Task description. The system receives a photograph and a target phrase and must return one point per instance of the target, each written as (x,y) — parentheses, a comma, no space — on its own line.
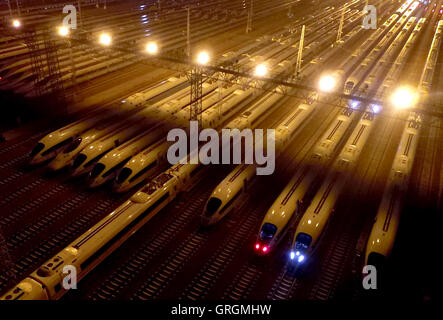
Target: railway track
(226,252)
(186,210)
(140,276)
(35,243)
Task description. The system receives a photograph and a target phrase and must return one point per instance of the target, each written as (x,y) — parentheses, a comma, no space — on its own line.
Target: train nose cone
(77,172)
(93,183)
(55,165)
(117,188)
(33,161)
(205,221)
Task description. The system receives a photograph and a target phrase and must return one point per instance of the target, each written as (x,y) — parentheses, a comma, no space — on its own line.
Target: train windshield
(268,231)
(123,175)
(212,206)
(98,168)
(73,145)
(302,241)
(39,147)
(79,160)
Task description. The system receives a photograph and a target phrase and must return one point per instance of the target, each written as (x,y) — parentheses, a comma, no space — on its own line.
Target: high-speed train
(282,214)
(225,196)
(87,158)
(384,230)
(67,155)
(46,283)
(314,222)
(145,164)
(52,144)
(107,167)
(142,165)
(48,147)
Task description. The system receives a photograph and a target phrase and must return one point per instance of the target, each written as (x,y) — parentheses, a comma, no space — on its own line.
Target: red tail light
(257,246)
(265,249)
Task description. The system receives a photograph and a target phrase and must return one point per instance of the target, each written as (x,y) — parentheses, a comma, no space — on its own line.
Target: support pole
(18,8)
(249,22)
(10,10)
(188,33)
(79,3)
(196,78)
(300,50)
(342,20)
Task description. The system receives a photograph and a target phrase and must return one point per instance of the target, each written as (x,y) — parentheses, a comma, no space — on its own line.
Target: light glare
(16,23)
(261,70)
(403,98)
(151,48)
(203,57)
(327,83)
(105,39)
(63,31)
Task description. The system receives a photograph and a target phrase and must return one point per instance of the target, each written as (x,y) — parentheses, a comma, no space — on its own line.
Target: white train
(145,163)
(282,213)
(86,159)
(107,167)
(46,283)
(67,155)
(52,144)
(314,221)
(224,197)
(384,230)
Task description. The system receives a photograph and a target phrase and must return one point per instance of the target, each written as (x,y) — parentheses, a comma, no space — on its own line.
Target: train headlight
(354,104)
(292,255)
(375,108)
(301,258)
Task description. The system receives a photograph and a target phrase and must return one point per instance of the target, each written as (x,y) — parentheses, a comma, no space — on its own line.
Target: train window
(302,241)
(268,231)
(73,145)
(57,146)
(98,168)
(79,160)
(123,175)
(39,147)
(143,171)
(212,206)
(376,259)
